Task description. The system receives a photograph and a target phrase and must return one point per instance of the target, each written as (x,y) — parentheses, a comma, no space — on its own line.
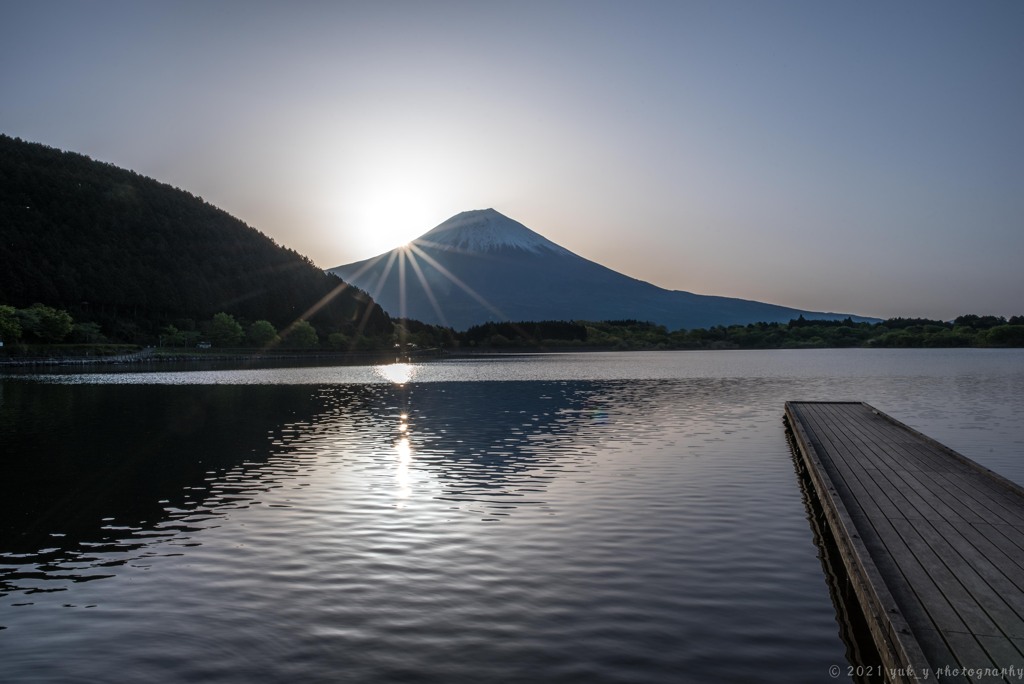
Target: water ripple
(602,529)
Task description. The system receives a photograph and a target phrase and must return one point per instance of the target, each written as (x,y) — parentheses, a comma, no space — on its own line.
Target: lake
(620,517)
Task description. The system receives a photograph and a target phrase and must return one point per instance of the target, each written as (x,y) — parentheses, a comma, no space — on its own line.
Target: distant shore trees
(301,335)
(261,333)
(964,331)
(41,325)
(38,324)
(225,331)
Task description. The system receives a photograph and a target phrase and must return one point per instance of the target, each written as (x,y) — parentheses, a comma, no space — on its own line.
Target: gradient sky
(863,157)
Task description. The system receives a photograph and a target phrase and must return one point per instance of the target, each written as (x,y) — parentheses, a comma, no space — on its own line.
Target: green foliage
(10,327)
(261,334)
(87,333)
(979,322)
(170,336)
(41,323)
(801,333)
(225,331)
(903,323)
(339,341)
(1006,335)
(301,334)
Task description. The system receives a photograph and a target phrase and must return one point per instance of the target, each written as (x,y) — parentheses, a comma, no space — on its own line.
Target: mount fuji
(481,266)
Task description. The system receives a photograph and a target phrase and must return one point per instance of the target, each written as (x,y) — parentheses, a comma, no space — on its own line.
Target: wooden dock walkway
(932,542)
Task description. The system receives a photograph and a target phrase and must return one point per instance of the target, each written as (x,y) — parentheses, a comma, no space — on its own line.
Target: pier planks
(932,542)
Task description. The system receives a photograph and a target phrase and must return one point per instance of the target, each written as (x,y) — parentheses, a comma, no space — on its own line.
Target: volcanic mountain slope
(481,266)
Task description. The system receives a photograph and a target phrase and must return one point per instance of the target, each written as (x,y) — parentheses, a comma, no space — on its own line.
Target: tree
(339,341)
(301,334)
(170,336)
(261,334)
(1006,336)
(90,333)
(225,331)
(10,328)
(45,324)
(979,322)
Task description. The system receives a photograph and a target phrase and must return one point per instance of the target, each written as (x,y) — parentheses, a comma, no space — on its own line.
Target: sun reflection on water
(398,373)
(403,463)
(403,478)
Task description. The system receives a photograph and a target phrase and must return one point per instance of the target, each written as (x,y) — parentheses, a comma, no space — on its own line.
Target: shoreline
(149,357)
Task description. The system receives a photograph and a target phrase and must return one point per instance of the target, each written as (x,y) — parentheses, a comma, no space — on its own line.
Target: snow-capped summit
(485,230)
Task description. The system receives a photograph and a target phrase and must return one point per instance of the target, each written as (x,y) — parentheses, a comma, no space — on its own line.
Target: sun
(393,213)
(392,219)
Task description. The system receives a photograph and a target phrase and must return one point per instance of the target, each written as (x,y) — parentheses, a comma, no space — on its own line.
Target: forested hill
(116,248)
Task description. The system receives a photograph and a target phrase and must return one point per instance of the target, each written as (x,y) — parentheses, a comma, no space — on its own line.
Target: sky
(858,157)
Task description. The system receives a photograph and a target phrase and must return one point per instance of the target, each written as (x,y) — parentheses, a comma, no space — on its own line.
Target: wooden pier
(932,543)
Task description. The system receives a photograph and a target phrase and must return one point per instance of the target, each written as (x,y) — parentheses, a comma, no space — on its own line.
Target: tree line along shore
(43,331)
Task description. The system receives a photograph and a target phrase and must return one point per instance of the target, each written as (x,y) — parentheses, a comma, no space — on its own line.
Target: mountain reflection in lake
(591,518)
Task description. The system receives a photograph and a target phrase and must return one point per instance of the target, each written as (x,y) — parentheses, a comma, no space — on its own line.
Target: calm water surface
(572,518)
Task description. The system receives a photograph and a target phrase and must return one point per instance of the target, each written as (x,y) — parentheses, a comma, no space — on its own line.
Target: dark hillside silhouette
(111,246)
